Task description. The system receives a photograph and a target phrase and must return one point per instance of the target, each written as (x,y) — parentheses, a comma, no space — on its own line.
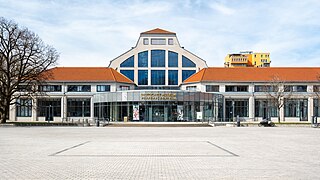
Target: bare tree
(23,60)
(277,92)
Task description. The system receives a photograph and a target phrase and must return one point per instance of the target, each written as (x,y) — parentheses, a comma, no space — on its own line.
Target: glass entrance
(158,113)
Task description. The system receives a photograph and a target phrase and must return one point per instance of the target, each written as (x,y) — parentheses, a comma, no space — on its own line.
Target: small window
(191,88)
(212,88)
(236,88)
(124,88)
(24,88)
(103,88)
(145,41)
(50,88)
(79,88)
(316,88)
(158,41)
(170,41)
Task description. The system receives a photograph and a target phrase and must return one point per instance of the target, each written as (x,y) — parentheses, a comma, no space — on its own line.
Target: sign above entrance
(158,96)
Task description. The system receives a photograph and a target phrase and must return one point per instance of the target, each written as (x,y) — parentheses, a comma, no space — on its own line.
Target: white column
(64,108)
(310,109)
(91,109)
(281,113)
(12,113)
(34,110)
(251,108)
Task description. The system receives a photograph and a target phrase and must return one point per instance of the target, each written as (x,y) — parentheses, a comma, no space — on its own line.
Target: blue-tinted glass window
(143,59)
(158,77)
(103,88)
(187,73)
(143,77)
(158,58)
(172,59)
(187,62)
(128,62)
(128,73)
(173,77)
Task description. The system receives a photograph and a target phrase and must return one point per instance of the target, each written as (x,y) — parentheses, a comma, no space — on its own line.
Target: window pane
(172,59)
(173,77)
(49,107)
(128,73)
(143,59)
(103,88)
(170,41)
(79,88)
(157,77)
(212,88)
(24,107)
(187,73)
(157,58)
(187,62)
(143,77)
(145,41)
(79,107)
(128,62)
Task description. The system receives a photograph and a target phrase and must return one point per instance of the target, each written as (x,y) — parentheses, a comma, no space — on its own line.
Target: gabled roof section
(158,31)
(251,74)
(86,74)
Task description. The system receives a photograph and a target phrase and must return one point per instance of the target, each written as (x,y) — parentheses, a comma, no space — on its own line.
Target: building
(160,81)
(247,59)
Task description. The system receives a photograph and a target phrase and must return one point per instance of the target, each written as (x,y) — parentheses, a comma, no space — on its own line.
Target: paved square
(159,153)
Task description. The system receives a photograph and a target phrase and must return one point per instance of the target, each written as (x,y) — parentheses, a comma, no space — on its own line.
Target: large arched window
(143,59)
(158,58)
(187,62)
(128,62)
(128,73)
(187,73)
(172,59)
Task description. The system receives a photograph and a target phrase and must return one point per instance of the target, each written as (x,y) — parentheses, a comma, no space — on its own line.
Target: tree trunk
(5,114)
(279,117)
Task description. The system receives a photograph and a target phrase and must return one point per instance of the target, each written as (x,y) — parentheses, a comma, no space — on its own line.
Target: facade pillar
(34,110)
(310,108)
(251,108)
(64,108)
(281,113)
(91,109)
(13,113)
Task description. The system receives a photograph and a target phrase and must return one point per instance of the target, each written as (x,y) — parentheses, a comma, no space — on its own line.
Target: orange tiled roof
(158,31)
(250,74)
(86,74)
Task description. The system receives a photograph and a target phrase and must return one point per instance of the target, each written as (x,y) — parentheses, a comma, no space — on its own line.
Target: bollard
(238,121)
(98,123)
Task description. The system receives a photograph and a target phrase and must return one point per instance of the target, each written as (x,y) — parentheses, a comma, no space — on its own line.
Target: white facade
(154,41)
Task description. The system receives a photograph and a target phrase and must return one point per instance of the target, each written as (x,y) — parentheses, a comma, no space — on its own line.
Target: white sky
(93,32)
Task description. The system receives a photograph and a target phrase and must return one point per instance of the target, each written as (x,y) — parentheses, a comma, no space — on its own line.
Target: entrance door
(49,113)
(157,113)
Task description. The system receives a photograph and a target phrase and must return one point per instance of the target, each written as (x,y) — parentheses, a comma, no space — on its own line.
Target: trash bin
(125,119)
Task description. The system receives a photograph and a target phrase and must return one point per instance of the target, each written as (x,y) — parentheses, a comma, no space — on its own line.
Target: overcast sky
(93,32)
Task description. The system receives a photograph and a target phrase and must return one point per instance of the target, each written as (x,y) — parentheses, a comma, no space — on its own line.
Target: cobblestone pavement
(159,153)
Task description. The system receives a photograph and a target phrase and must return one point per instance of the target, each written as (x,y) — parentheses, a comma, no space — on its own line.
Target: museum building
(160,81)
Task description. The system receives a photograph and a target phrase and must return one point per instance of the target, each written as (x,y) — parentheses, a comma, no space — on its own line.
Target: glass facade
(173,77)
(128,62)
(265,109)
(158,77)
(78,107)
(316,105)
(24,108)
(143,59)
(142,77)
(128,73)
(186,62)
(236,107)
(158,58)
(159,106)
(187,73)
(49,108)
(172,59)
(296,108)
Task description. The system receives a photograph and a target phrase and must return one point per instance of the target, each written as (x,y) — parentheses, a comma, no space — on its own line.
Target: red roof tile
(247,74)
(158,31)
(86,74)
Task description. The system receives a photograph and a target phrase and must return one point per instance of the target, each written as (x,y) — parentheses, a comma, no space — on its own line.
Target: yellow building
(247,59)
